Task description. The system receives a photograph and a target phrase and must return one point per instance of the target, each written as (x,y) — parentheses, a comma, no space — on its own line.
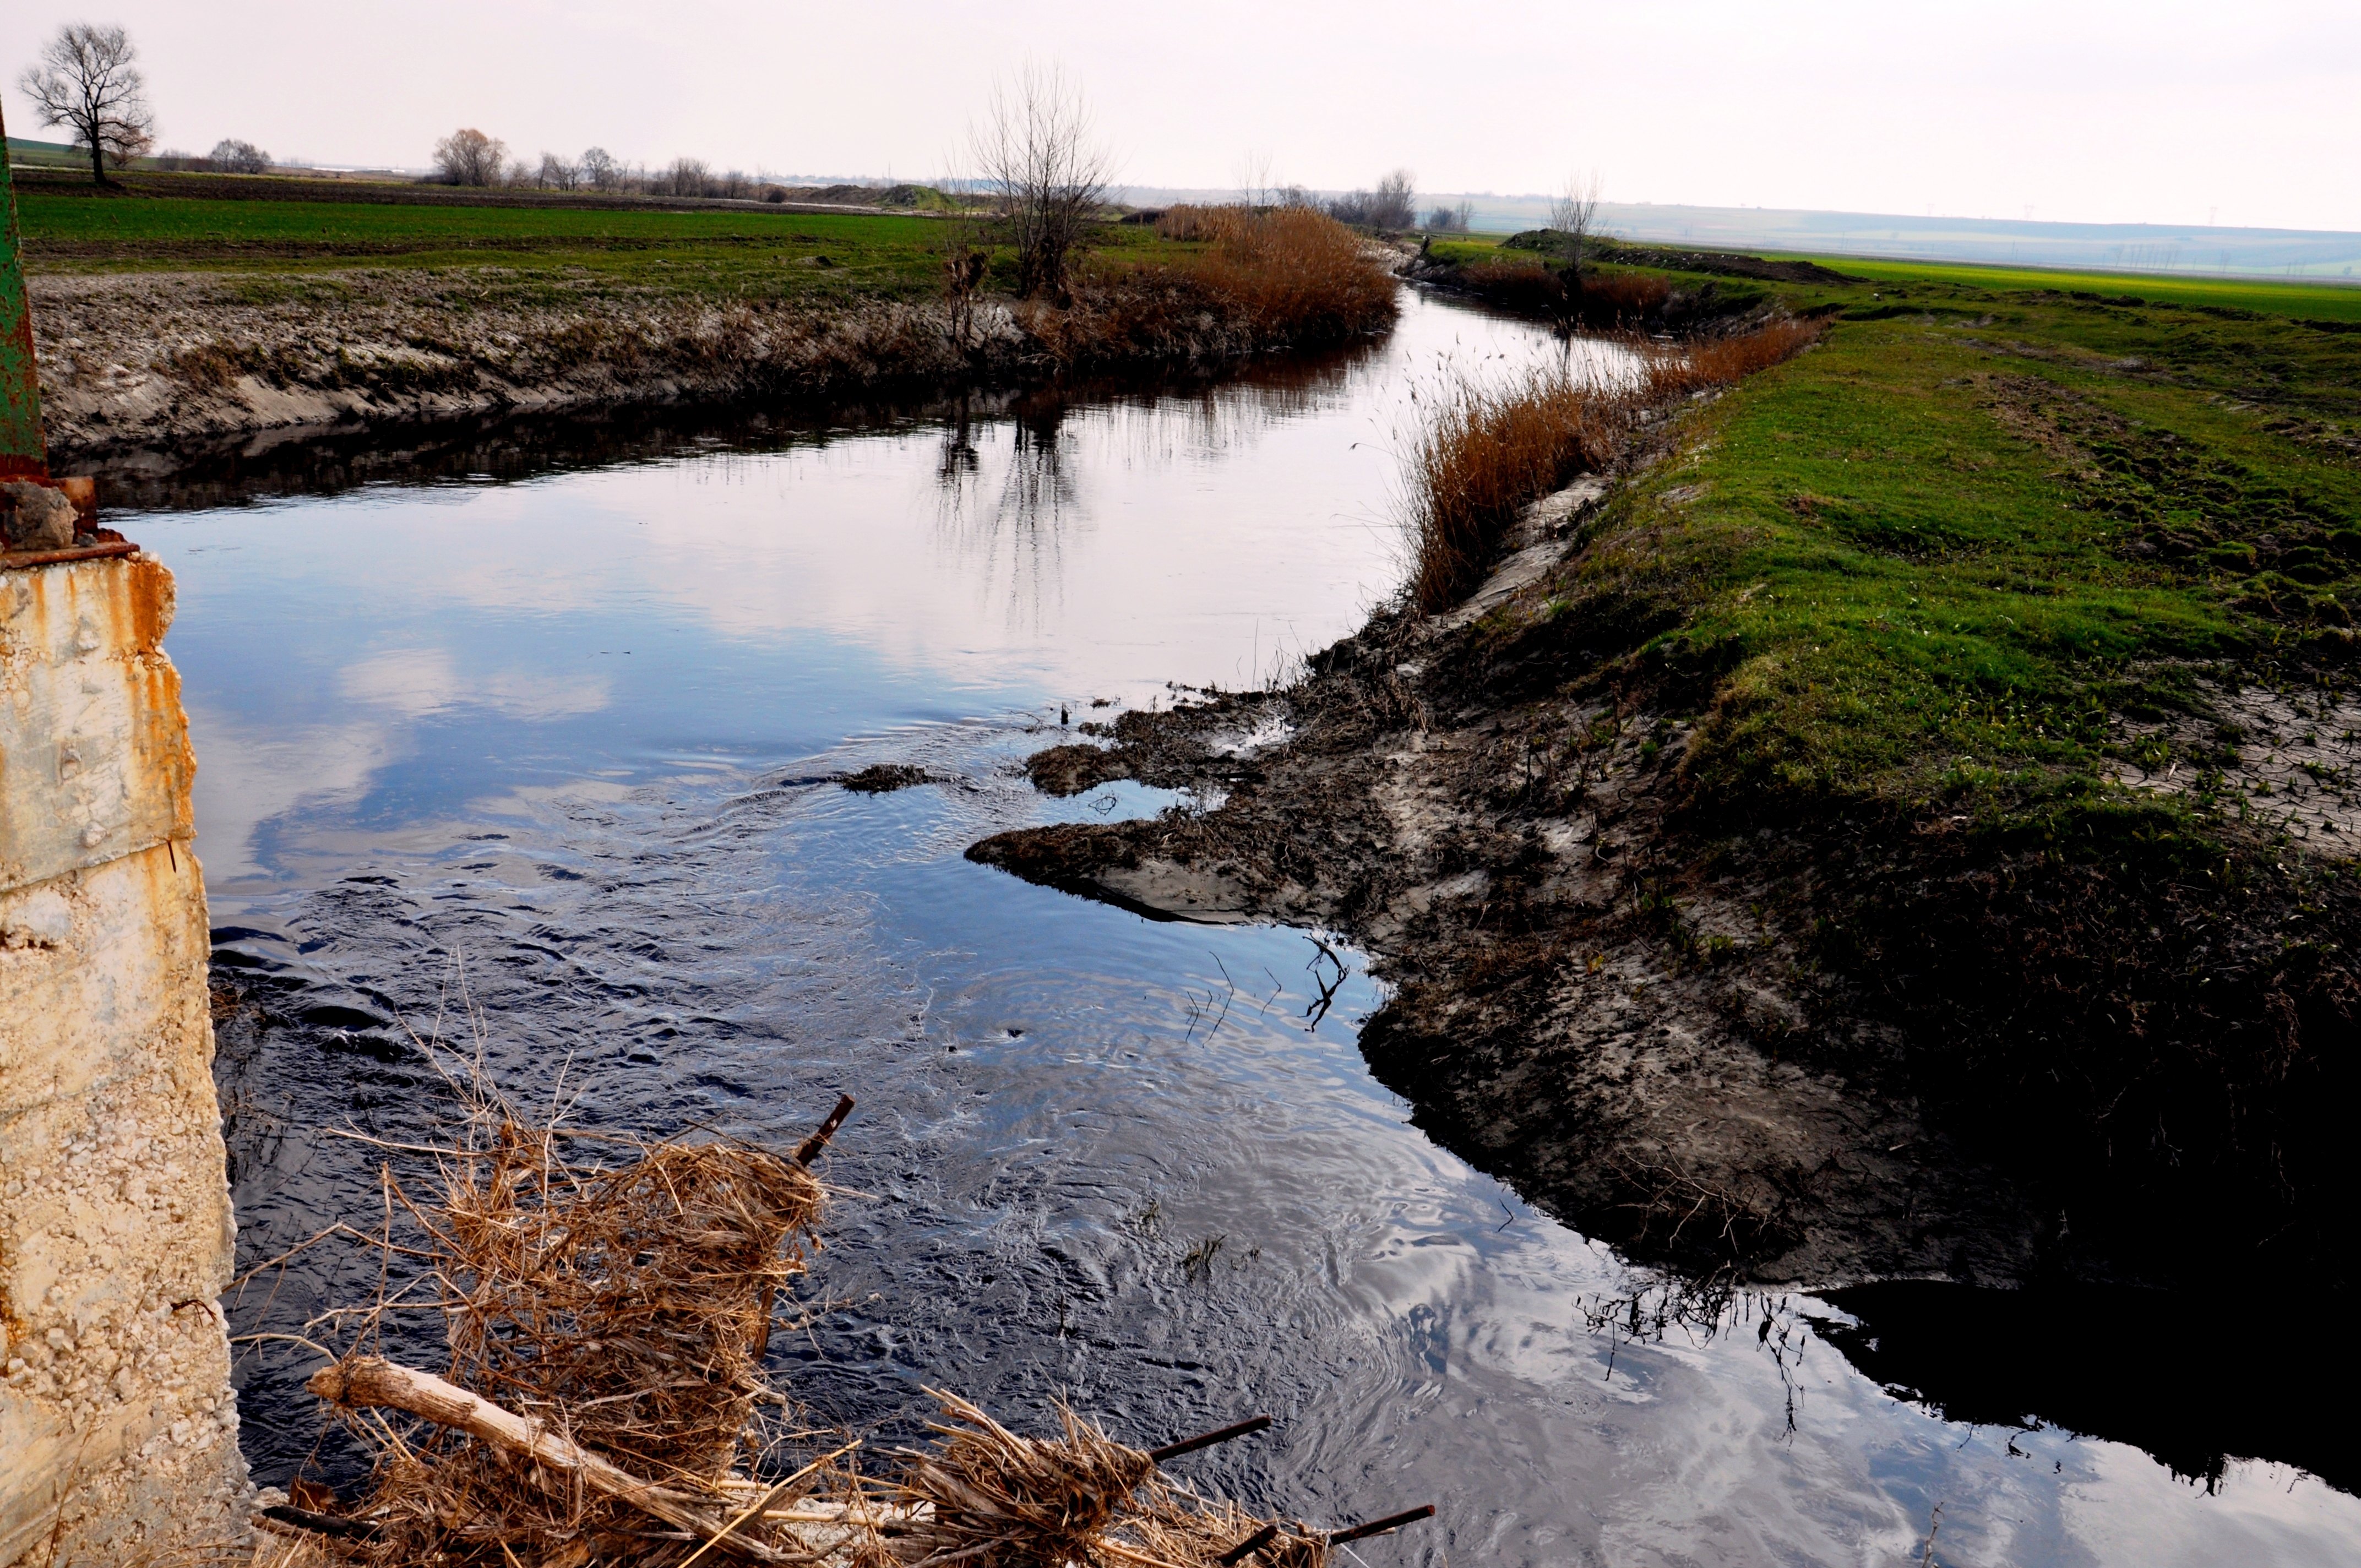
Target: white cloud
(416,682)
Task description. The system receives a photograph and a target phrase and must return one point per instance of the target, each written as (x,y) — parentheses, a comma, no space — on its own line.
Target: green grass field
(736,253)
(1970,546)
(2325,301)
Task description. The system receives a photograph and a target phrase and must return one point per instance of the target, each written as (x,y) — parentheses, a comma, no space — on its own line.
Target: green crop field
(2327,302)
(720,254)
(746,253)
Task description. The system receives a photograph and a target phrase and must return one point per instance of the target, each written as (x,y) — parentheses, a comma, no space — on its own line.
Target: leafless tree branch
(1039,153)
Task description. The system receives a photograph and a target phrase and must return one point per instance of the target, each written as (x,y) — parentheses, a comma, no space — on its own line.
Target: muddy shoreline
(1765,1051)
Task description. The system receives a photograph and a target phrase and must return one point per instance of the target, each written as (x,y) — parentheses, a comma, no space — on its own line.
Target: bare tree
(600,170)
(1039,156)
(1396,206)
(87,83)
(1574,213)
(1452,219)
(557,174)
(1254,178)
(468,157)
(1392,205)
(230,156)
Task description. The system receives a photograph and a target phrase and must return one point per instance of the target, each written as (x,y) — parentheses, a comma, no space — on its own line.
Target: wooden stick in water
(1249,1546)
(808,1150)
(1380,1526)
(1208,1439)
(367,1381)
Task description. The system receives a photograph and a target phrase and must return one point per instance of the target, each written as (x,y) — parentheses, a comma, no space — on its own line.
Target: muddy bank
(1807,1051)
(138,369)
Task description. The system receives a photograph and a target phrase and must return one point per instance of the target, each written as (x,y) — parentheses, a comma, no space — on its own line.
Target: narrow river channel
(543,727)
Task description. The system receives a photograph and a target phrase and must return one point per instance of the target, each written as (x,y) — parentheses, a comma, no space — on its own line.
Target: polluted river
(528,740)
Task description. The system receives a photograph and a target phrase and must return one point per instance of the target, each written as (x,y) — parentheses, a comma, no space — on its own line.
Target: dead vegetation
(608,1302)
(1483,453)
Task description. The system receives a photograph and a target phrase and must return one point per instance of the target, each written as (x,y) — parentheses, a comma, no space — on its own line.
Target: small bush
(204,367)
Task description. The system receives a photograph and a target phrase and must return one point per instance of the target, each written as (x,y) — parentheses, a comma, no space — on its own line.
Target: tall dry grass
(1188,222)
(1298,275)
(1266,281)
(1481,453)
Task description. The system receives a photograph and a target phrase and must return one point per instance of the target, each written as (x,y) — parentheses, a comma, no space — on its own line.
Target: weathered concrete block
(95,759)
(118,1428)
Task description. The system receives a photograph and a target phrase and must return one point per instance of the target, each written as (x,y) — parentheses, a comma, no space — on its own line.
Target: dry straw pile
(608,1306)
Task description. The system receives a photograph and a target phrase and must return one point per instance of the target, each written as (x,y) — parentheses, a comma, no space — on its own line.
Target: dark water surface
(539,724)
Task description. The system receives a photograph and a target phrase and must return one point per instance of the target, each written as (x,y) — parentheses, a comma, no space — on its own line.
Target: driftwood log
(365,1381)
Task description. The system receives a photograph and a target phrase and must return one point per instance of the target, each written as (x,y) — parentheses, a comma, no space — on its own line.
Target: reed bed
(1482,452)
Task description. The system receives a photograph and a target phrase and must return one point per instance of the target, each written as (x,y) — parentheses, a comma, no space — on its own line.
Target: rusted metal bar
(1208,1439)
(23,453)
(80,553)
(1380,1526)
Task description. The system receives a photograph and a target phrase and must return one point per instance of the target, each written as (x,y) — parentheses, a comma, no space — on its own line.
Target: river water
(521,739)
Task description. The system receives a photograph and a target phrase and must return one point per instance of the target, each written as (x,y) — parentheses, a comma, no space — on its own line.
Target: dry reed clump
(625,1306)
(607,1326)
(1188,222)
(1300,276)
(1483,453)
(1284,279)
(988,1497)
(619,1302)
(1004,1501)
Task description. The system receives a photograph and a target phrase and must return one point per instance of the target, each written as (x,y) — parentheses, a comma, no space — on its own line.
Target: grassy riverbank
(1905,824)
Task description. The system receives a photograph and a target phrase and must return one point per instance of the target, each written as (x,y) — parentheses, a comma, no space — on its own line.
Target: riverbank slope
(1897,822)
(168,323)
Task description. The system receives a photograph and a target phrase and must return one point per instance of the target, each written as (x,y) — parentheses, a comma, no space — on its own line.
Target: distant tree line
(229,156)
(468,157)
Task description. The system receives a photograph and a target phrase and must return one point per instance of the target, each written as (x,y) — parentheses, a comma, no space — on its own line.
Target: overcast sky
(2156,111)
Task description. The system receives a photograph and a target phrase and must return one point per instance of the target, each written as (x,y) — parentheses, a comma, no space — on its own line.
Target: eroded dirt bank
(1813,1051)
(137,368)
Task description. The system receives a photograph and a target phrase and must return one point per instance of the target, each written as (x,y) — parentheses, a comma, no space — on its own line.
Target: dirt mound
(1721,263)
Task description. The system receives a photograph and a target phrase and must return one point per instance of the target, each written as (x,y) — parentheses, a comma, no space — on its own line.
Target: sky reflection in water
(572,731)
